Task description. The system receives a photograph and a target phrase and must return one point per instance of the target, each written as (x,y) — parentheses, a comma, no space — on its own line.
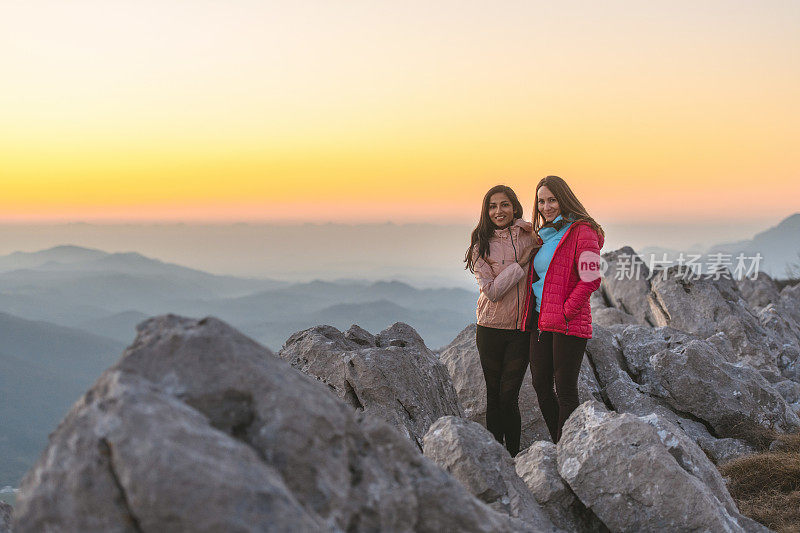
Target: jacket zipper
(528,291)
(548,271)
(515,258)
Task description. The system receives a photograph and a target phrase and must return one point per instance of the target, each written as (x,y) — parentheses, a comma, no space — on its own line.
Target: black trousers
(504,359)
(556,359)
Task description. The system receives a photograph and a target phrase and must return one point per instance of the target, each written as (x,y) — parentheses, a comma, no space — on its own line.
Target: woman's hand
(526,255)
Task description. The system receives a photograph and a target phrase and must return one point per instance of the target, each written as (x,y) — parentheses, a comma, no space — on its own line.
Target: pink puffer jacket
(501,279)
(565,297)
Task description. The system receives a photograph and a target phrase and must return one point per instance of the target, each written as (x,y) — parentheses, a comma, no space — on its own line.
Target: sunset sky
(364,110)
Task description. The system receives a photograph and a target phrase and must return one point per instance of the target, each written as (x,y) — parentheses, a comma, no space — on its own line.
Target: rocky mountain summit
(199,428)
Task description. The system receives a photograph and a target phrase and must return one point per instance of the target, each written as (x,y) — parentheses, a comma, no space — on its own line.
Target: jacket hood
(524,225)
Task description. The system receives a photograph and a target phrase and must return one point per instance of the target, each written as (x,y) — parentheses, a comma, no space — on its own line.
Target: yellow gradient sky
(370,111)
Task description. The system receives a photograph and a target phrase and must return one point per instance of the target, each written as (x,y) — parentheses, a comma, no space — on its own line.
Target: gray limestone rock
(620,352)
(608,316)
(198,428)
(392,375)
(735,400)
(538,468)
(706,307)
(625,285)
(635,479)
(470,453)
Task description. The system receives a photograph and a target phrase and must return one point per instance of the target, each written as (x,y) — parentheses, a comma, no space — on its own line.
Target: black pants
(504,359)
(556,358)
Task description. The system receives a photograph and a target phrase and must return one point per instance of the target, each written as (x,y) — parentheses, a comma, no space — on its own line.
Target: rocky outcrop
(392,376)
(471,454)
(637,475)
(699,353)
(538,468)
(463,363)
(725,408)
(735,400)
(748,320)
(197,427)
(706,307)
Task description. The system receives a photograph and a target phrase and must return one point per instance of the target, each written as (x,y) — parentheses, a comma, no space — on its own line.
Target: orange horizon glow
(114,111)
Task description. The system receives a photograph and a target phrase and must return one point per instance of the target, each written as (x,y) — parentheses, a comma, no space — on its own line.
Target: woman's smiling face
(547,204)
(501,211)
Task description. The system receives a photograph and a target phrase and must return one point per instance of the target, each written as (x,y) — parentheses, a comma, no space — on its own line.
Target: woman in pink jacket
(565,271)
(500,249)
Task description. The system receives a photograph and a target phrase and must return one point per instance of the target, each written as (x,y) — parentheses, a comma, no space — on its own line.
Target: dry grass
(766,486)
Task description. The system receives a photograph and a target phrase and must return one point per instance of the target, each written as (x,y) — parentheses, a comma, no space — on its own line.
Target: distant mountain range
(779,247)
(44,368)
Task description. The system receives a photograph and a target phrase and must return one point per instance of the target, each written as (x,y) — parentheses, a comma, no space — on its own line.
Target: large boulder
(462,361)
(538,468)
(470,453)
(735,400)
(706,307)
(646,370)
(392,376)
(637,476)
(198,428)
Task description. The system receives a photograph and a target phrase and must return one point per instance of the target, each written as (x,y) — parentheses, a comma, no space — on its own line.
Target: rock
(538,468)
(778,320)
(470,453)
(626,286)
(392,375)
(463,363)
(790,390)
(619,390)
(638,344)
(706,307)
(608,316)
(758,292)
(735,400)
(691,458)
(198,428)
(597,300)
(618,465)
(6,512)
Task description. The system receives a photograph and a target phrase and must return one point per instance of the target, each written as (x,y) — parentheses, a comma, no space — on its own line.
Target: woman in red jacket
(500,249)
(565,271)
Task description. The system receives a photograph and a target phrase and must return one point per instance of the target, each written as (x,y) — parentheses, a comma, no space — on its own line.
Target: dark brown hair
(571,208)
(485,228)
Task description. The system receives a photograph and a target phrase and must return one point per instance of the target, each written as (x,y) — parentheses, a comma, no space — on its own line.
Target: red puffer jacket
(565,297)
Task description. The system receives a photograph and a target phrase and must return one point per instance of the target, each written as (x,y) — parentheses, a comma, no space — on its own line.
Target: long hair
(571,208)
(485,228)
